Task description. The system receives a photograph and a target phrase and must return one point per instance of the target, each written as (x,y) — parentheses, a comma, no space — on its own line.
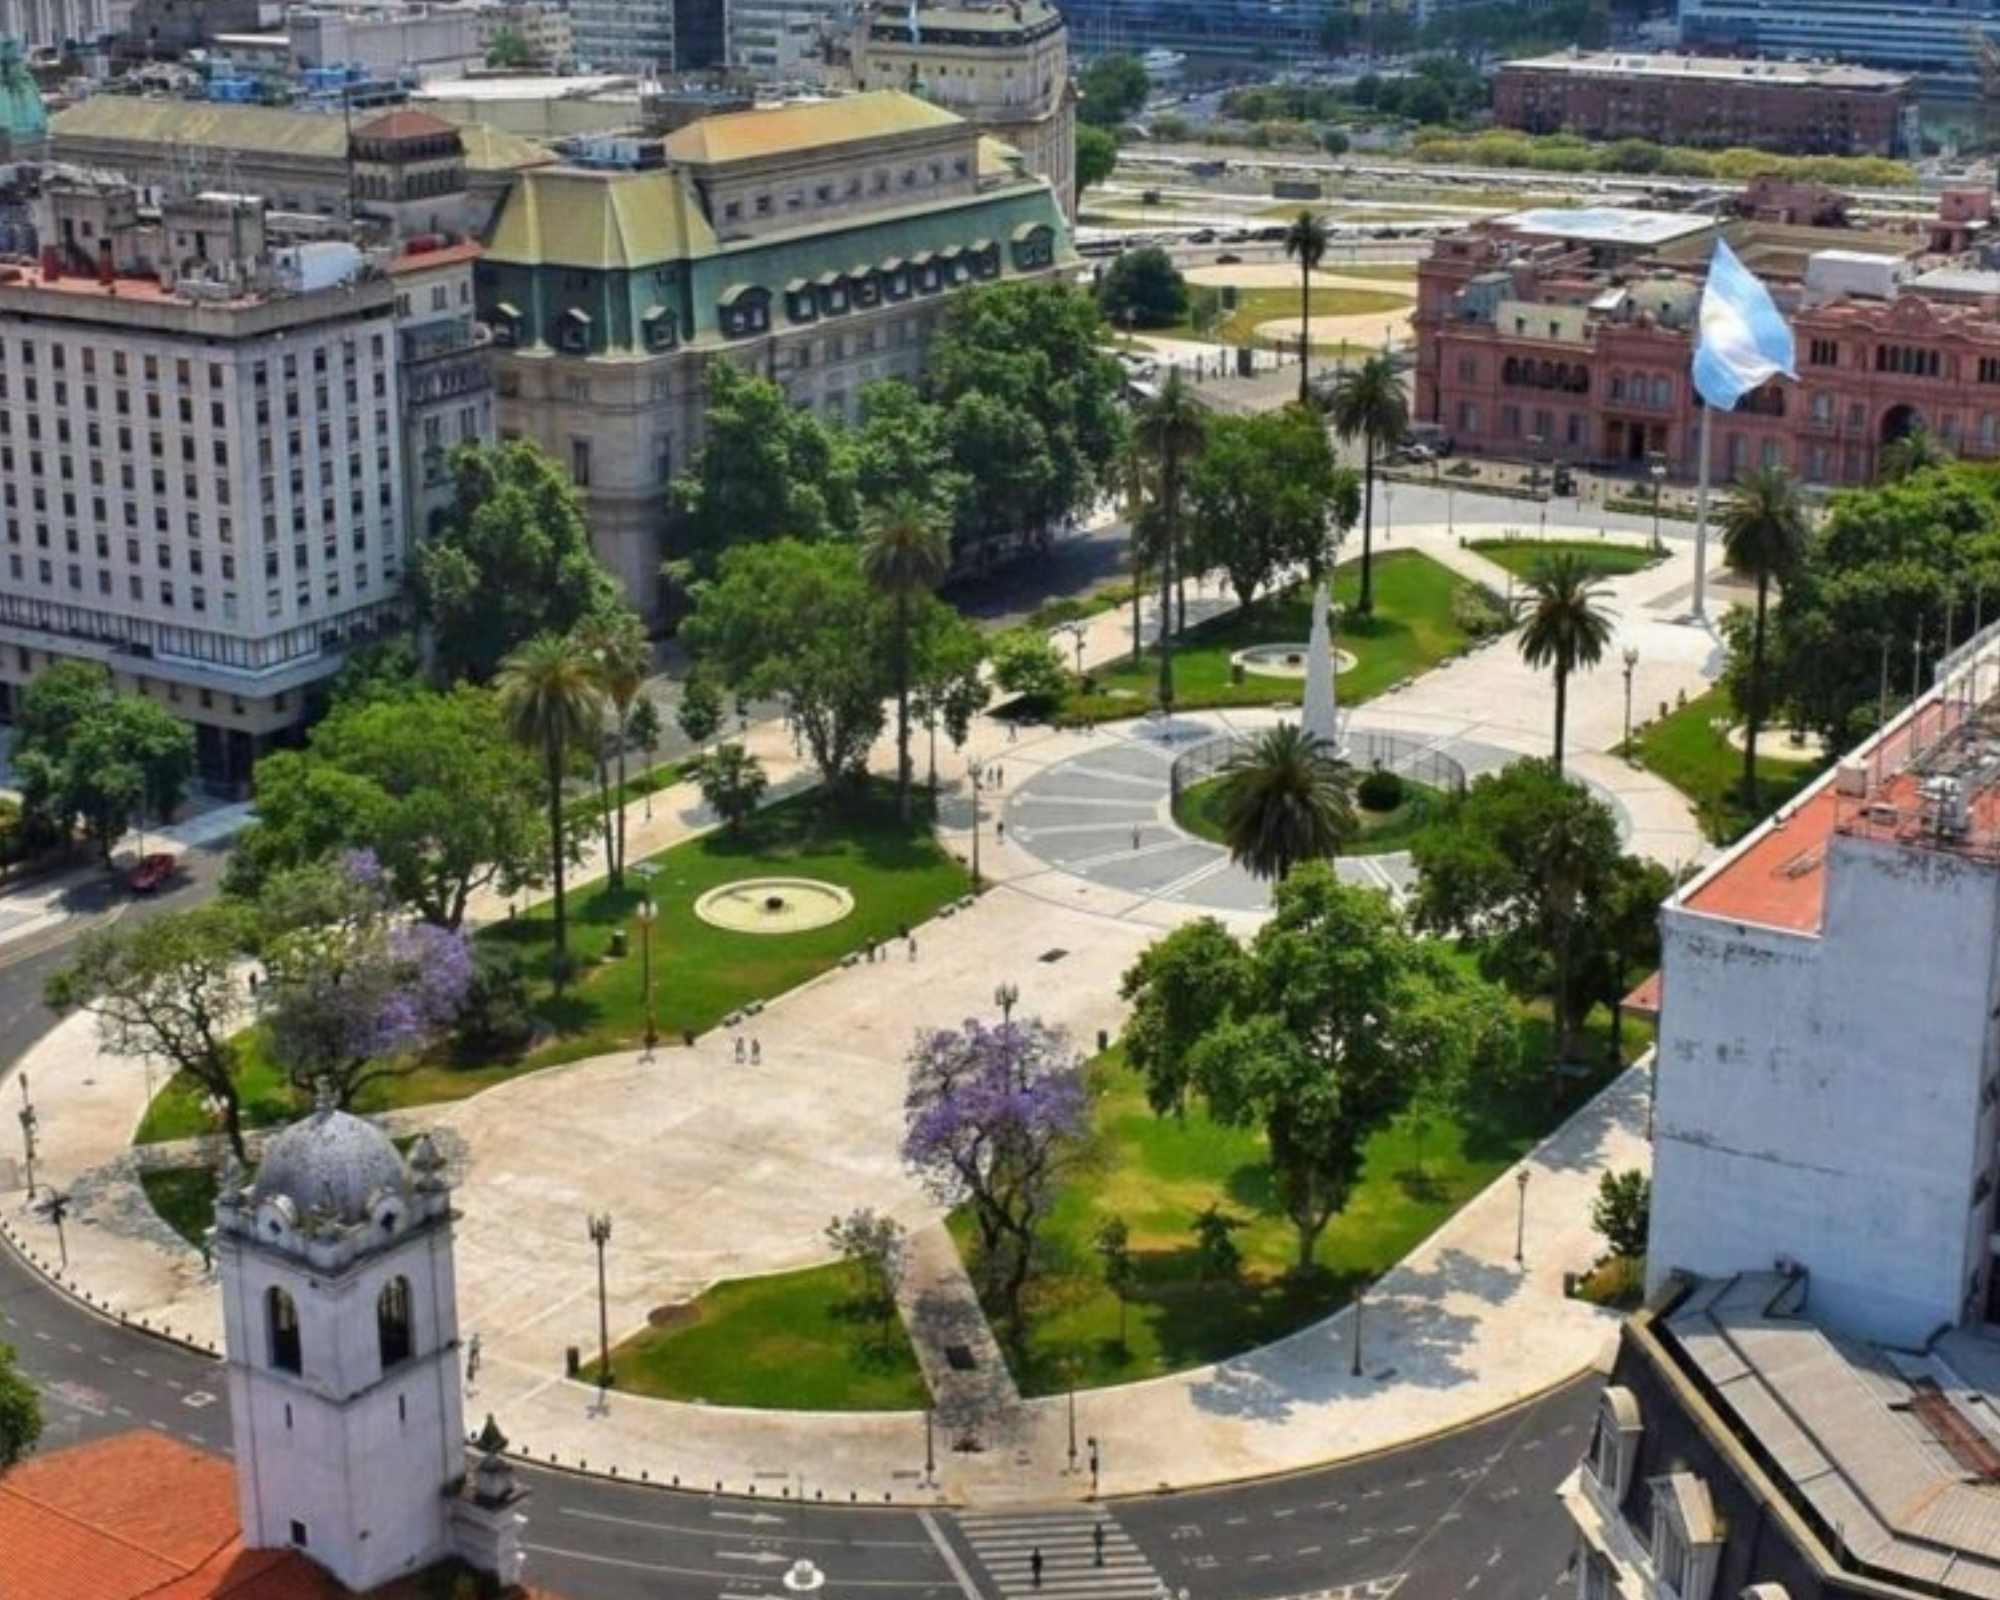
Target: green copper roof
(23,117)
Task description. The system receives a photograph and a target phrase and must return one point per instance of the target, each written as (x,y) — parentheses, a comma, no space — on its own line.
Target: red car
(152,871)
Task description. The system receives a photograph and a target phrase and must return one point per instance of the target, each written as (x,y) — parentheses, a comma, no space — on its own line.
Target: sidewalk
(712,1177)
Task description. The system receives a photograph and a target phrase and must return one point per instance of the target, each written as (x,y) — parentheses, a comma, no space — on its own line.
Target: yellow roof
(600,221)
(201,123)
(746,135)
(491,149)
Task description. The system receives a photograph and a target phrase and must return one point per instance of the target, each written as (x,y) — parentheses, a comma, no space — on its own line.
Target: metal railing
(1419,760)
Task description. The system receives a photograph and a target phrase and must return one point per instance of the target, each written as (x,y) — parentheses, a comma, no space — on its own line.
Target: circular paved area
(1104,815)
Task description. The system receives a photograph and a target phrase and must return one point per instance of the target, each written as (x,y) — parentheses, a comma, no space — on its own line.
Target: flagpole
(1702,412)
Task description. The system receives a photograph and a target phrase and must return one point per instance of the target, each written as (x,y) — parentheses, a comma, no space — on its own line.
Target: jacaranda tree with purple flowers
(993,1115)
(350,989)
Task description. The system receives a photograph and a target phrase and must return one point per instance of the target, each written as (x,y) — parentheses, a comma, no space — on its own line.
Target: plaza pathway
(711,1169)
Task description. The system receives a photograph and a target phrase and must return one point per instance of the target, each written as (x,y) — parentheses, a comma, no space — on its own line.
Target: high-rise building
(649,35)
(817,243)
(1003,65)
(1931,39)
(206,480)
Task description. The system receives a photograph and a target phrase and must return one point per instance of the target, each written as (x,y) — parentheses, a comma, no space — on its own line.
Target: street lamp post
(1076,632)
(600,1235)
(1354,1360)
(1007,996)
(930,1447)
(1631,663)
(1658,472)
(56,1209)
(29,1123)
(972,777)
(648,913)
(1521,1217)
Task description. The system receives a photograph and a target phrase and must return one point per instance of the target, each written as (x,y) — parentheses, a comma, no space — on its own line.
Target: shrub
(1380,790)
(495,1019)
(1478,611)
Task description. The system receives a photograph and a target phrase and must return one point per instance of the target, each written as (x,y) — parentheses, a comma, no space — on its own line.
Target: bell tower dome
(340,1319)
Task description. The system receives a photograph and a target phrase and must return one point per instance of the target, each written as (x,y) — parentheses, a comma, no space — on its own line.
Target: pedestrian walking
(1035,1567)
(999,777)
(740,1047)
(756,1054)
(1000,829)
(1097,1544)
(472,1360)
(913,947)
(1135,838)
(1012,733)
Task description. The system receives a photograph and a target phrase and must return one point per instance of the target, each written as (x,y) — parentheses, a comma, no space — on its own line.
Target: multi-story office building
(771,40)
(50,24)
(1805,107)
(201,477)
(1566,335)
(1003,66)
(650,35)
(1930,39)
(817,243)
(444,360)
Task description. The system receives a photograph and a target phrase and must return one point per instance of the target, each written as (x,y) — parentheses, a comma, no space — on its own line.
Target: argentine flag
(1744,340)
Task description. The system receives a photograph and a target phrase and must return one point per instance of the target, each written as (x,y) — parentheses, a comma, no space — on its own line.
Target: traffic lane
(98,1379)
(606,1541)
(1472,1513)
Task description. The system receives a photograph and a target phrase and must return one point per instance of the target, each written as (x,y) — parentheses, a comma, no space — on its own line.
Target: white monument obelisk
(1321,717)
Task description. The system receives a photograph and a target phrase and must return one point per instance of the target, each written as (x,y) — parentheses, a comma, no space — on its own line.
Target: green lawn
(1199,811)
(1255,307)
(899,877)
(1410,631)
(800,1341)
(184,1197)
(1521,556)
(1690,748)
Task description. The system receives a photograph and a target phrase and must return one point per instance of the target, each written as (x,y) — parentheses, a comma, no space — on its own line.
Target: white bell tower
(341,1326)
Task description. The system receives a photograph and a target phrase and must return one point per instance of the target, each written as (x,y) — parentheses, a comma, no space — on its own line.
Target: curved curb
(100,1310)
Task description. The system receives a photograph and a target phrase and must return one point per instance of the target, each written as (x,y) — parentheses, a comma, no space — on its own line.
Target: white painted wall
(1819,1096)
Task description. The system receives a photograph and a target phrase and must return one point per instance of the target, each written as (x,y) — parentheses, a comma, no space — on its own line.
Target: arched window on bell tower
(281,1316)
(392,1322)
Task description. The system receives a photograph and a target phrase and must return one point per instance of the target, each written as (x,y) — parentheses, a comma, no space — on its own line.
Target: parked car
(153,872)
(1228,258)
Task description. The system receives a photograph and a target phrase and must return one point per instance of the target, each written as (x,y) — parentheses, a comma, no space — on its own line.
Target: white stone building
(340,1320)
(1828,1087)
(202,457)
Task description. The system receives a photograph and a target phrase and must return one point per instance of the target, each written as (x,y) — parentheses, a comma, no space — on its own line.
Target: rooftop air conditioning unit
(1850,780)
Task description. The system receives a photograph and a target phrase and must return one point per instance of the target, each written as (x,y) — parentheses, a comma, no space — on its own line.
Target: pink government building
(1564,335)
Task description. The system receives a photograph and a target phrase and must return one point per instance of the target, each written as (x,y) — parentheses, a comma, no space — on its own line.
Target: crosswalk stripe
(1005,1543)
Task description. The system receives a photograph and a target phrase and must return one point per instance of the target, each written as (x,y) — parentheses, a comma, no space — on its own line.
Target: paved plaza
(714,1170)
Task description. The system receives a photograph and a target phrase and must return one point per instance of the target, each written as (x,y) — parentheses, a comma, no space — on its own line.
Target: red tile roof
(143,1516)
(405,125)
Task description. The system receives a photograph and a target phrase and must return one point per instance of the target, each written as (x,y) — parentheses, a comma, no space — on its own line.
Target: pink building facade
(1533,346)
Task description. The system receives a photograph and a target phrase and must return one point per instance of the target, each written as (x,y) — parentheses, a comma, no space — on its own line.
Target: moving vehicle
(153,872)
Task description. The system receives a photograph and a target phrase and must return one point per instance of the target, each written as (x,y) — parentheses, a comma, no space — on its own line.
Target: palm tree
(1563,627)
(1168,433)
(552,704)
(1285,799)
(1306,239)
(1132,486)
(906,555)
(1915,452)
(620,653)
(1763,538)
(1369,405)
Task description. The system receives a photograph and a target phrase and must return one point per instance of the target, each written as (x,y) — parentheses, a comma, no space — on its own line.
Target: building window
(298,1533)
(1989,369)
(1823,353)
(579,462)
(392,1322)
(281,1316)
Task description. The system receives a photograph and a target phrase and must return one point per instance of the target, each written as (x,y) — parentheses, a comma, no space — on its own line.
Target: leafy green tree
(615,639)
(1318,1034)
(1763,539)
(166,989)
(1306,242)
(1034,413)
(1622,1213)
(1621,940)
(877,1247)
(1113,1243)
(948,687)
(1286,798)
(899,448)
(1169,435)
(1369,404)
(56,702)
(20,1411)
(1916,451)
(1523,868)
(905,558)
(509,51)
(643,731)
(1217,1255)
(1263,495)
(511,561)
(1096,156)
(1564,626)
(700,710)
(129,756)
(1027,665)
(1112,88)
(430,784)
(733,782)
(551,704)
(801,622)
(1144,289)
(766,470)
